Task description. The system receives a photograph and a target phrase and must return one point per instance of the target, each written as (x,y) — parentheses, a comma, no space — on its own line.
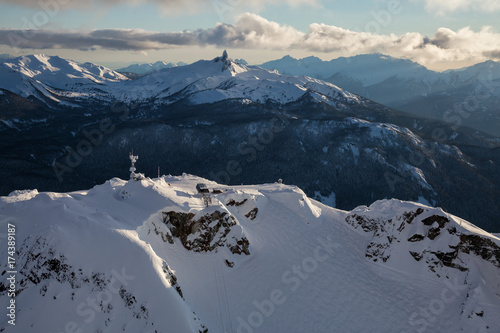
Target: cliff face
(207,232)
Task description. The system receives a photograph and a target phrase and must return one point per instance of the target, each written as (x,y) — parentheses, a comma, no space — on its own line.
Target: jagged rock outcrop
(427,234)
(206,233)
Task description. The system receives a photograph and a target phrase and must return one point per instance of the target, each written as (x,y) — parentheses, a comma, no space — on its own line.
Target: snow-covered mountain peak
(30,65)
(222,78)
(488,70)
(157,255)
(229,64)
(37,75)
(205,81)
(42,67)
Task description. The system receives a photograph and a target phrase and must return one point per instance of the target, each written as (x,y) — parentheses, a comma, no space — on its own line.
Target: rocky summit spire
(225,60)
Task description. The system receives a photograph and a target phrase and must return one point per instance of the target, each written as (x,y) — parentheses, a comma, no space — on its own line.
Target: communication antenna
(133,159)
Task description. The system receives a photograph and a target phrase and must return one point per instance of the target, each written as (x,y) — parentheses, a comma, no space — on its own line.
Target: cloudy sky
(439,34)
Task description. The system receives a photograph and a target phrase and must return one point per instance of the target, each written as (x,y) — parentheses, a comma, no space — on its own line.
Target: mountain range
(66,126)
(152,255)
(143,69)
(54,79)
(468,96)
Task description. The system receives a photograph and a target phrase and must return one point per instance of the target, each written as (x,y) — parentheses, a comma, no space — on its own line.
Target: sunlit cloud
(251,31)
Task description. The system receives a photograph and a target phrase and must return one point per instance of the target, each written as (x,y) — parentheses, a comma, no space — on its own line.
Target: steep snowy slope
(147,256)
(61,73)
(54,78)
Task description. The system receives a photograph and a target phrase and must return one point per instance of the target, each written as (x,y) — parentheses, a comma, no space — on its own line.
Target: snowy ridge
(489,70)
(407,86)
(368,69)
(143,69)
(210,81)
(373,69)
(60,73)
(205,81)
(42,77)
(146,256)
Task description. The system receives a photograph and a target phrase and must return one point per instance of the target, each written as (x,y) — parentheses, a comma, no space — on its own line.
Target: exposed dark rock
(172,279)
(166,237)
(417,256)
(241,247)
(452,231)
(375,251)
(408,217)
(252,214)
(441,220)
(127,297)
(207,235)
(365,223)
(386,231)
(235,203)
(447,259)
(416,238)
(481,246)
(433,233)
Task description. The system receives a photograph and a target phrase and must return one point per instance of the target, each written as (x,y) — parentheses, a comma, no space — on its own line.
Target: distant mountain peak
(311,59)
(52,71)
(223,58)
(229,64)
(241,61)
(146,68)
(289,58)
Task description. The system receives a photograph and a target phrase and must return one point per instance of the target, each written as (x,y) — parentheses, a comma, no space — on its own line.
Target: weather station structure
(205,193)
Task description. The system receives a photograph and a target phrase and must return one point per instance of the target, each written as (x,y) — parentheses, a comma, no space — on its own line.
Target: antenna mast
(133,159)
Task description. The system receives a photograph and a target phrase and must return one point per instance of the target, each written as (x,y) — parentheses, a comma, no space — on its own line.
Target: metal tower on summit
(133,175)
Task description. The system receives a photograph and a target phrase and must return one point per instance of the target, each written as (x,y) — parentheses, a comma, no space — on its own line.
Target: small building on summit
(202,188)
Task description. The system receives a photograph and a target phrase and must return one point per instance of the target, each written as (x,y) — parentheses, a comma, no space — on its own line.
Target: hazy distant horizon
(119,65)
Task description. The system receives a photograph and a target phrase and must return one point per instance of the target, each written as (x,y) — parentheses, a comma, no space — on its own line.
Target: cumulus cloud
(252,31)
(445,6)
